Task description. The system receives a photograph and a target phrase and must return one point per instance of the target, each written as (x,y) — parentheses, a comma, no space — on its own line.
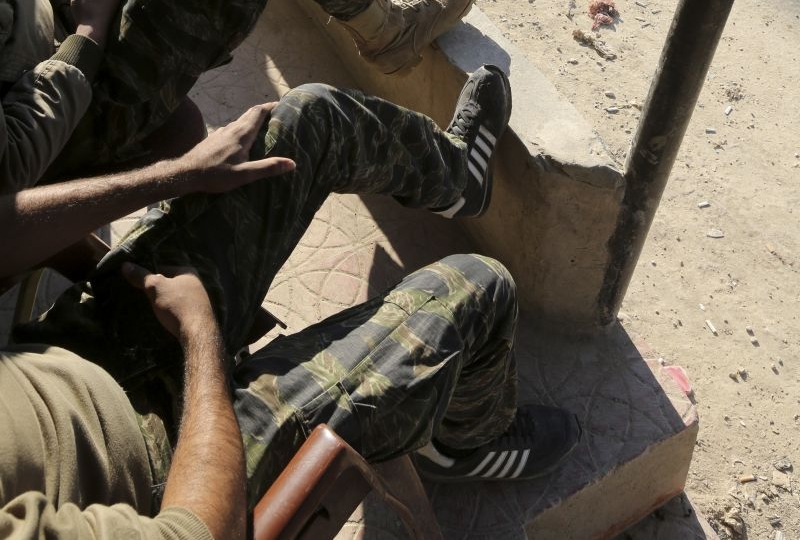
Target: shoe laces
(464,120)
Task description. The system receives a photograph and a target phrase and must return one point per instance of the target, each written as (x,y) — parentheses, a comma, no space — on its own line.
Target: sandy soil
(741,155)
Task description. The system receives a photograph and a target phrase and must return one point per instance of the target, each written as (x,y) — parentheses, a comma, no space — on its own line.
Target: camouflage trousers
(157,52)
(431,357)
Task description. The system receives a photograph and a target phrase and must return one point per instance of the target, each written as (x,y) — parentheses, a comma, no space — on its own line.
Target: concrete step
(678,519)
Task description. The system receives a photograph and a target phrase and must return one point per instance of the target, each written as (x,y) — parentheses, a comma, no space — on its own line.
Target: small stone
(610,95)
(742,373)
(711,130)
(783,465)
(749,330)
(572,61)
(754,342)
(781,480)
(733,520)
(775,521)
(612,110)
(641,4)
(773,366)
(715,233)
(733,375)
(652,263)
(702,307)
(728,110)
(711,327)
(747,478)
(703,204)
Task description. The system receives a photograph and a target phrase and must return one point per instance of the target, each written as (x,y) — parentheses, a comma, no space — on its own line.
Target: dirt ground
(724,245)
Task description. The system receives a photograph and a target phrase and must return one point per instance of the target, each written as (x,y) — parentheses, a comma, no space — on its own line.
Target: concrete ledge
(557,191)
(678,519)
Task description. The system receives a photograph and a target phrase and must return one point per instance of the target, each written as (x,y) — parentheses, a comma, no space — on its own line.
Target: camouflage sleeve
(41,110)
(32,516)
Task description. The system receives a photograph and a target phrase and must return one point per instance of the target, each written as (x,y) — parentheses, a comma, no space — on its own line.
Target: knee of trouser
(310,96)
(489,275)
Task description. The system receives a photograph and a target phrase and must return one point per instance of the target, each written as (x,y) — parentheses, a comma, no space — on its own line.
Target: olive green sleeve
(41,110)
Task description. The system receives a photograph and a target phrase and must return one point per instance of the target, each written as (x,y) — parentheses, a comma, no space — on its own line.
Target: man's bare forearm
(38,222)
(207,475)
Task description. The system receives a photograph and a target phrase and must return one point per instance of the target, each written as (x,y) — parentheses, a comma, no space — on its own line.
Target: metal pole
(689,48)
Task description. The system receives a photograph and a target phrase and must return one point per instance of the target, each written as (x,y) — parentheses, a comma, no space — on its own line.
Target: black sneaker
(535,444)
(481,117)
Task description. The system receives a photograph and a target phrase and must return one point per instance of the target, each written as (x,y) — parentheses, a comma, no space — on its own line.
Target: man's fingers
(135,274)
(251,121)
(272,166)
(253,117)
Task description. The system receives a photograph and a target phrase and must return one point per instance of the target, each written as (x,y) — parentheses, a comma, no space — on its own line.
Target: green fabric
(26,36)
(81,52)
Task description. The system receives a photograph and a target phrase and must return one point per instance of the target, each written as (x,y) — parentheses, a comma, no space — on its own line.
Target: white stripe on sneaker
(479,160)
(487,134)
(482,464)
(522,461)
(500,460)
(511,458)
(476,173)
(481,145)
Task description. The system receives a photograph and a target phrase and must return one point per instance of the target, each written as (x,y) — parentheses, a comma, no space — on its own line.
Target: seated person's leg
(429,360)
(181,132)
(391,34)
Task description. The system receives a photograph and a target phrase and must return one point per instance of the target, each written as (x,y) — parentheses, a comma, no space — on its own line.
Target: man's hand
(178,298)
(220,162)
(209,449)
(93,18)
